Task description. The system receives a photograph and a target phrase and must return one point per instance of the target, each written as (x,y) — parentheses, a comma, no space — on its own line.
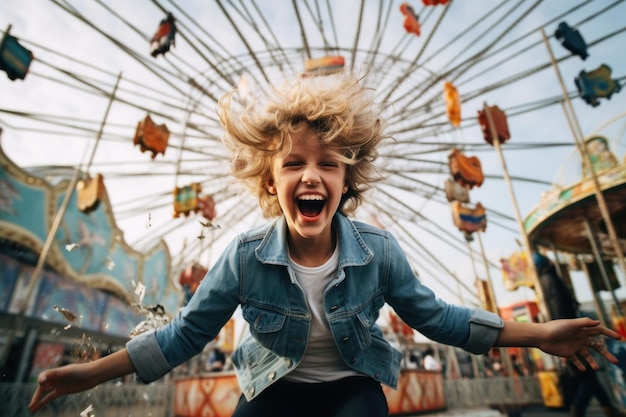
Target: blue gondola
(572,40)
(596,84)
(14,58)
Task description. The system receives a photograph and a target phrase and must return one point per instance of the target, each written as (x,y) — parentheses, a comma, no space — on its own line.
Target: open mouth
(311,205)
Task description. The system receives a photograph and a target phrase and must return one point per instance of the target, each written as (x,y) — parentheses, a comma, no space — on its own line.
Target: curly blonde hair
(337,107)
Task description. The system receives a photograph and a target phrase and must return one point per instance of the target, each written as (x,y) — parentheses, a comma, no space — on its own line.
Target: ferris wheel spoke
(410,241)
(489,53)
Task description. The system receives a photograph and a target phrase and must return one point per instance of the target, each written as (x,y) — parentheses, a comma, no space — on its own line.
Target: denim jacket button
(288,363)
(345,339)
(271,376)
(250,391)
(333,308)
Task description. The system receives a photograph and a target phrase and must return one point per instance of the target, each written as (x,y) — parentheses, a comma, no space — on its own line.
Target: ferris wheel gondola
(494,54)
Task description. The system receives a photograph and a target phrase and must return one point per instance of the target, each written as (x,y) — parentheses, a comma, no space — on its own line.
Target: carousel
(569,220)
(569,223)
(72,287)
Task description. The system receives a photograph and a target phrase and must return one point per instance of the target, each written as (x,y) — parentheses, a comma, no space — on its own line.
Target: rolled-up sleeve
(147,357)
(484,330)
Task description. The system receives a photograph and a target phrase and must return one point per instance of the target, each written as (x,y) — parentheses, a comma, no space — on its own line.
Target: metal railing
(107,400)
(494,391)
(156,399)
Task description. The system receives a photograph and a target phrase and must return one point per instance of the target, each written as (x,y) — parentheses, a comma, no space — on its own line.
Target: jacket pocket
(264,324)
(354,332)
(369,314)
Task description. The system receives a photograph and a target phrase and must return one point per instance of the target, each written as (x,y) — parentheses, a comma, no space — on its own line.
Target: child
(311,283)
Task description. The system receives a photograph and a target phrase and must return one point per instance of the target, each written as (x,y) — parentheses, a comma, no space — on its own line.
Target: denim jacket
(254,273)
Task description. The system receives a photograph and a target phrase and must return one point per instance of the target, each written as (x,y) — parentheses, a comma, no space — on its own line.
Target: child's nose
(311,175)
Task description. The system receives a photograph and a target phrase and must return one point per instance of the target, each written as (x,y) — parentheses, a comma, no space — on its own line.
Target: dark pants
(587,387)
(348,397)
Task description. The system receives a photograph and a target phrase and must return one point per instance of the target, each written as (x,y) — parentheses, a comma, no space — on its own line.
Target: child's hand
(79,377)
(59,381)
(573,338)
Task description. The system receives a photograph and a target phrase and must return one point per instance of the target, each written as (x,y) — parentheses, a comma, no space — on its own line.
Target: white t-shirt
(322,361)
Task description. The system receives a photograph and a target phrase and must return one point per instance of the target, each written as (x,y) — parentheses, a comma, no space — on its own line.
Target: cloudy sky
(492,51)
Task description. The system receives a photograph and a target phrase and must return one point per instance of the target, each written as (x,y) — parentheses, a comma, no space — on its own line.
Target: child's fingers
(41,400)
(585,354)
(36,401)
(610,333)
(577,363)
(44,393)
(596,329)
(601,349)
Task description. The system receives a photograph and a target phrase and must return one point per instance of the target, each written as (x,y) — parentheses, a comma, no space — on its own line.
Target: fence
(156,400)
(107,400)
(495,391)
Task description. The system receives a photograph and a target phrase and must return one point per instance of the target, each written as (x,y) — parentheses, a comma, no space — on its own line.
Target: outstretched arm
(569,338)
(79,377)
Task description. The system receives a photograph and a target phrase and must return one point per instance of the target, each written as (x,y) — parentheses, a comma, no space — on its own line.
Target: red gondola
(151,137)
(466,170)
(207,206)
(165,36)
(411,19)
(500,122)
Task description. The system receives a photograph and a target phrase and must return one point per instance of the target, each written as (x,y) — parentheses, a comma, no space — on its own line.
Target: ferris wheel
(106,77)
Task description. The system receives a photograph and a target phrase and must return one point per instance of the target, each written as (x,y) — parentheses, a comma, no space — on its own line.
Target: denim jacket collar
(352,249)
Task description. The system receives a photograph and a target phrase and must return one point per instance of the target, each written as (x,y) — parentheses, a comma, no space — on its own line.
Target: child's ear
(270,187)
(345,189)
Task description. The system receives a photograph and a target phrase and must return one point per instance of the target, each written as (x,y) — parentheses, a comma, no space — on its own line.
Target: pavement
(593,410)
(526,411)
(462,412)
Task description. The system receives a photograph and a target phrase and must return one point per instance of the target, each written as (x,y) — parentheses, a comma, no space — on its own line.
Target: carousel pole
(492,293)
(578,139)
(508,364)
(507,179)
(557,263)
(37,272)
(471,255)
(597,301)
(591,234)
(474,358)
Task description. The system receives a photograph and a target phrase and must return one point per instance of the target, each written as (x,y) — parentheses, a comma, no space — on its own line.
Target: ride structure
(487,54)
